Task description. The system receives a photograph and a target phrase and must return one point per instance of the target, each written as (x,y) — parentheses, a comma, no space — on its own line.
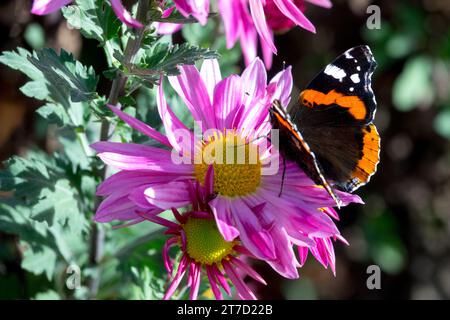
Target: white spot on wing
(355,78)
(335,72)
(352,89)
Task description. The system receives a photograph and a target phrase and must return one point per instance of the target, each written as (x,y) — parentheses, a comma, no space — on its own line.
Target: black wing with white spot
(351,75)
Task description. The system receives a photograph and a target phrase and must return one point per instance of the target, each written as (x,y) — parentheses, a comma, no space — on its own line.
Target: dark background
(404,227)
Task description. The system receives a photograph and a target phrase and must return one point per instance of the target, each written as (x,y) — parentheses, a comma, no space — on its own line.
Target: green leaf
(58,79)
(40,261)
(19,61)
(167,58)
(42,184)
(146,286)
(41,245)
(67,77)
(54,113)
(94,18)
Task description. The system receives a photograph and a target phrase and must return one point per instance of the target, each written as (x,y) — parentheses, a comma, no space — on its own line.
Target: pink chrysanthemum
(42,7)
(246,202)
(204,250)
(247,19)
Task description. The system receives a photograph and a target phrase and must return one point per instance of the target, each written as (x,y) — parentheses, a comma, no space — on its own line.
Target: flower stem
(97,233)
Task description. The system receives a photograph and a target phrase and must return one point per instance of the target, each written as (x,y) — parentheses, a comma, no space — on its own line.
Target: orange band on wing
(354,105)
(367,165)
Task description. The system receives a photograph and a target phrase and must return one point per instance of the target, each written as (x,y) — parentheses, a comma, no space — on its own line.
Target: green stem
(97,235)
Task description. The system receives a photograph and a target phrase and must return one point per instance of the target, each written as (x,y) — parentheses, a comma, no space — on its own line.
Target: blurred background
(404,227)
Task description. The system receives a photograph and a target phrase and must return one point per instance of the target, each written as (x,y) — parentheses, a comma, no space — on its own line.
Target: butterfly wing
(335,117)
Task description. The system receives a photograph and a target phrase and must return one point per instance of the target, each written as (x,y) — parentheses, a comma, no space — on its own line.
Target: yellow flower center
(204,243)
(237,167)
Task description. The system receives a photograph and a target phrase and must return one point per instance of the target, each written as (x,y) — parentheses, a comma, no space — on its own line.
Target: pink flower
(248,20)
(203,250)
(42,7)
(246,200)
(199,9)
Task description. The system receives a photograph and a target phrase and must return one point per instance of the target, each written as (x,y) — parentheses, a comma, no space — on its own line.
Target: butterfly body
(330,133)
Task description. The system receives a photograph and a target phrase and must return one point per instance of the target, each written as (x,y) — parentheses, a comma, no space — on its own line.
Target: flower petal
(210,73)
(220,207)
(165,196)
(42,7)
(140,126)
(227,100)
(321,3)
(290,10)
(180,137)
(231,15)
(190,87)
(124,15)
(259,19)
(252,234)
(131,156)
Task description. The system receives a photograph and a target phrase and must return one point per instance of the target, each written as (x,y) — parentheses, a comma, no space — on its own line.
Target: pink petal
(212,281)
(321,3)
(173,194)
(220,207)
(242,289)
(124,15)
(303,255)
(166,28)
(180,137)
(177,279)
(190,87)
(210,73)
(193,294)
(140,126)
(251,232)
(231,15)
(130,156)
(257,11)
(285,264)
(227,100)
(247,269)
(290,10)
(42,7)
(249,35)
(284,83)
(254,81)
(221,279)
(124,181)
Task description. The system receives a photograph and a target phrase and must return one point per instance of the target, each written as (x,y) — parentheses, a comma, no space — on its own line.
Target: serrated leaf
(167,58)
(19,61)
(94,18)
(42,260)
(67,77)
(35,89)
(54,113)
(41,245)
(40,182)
(57,79)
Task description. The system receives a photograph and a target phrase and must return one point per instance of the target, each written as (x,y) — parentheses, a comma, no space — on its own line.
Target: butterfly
(330,132)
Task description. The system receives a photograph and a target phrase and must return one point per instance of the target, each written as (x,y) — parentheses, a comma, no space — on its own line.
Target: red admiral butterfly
(330,135)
